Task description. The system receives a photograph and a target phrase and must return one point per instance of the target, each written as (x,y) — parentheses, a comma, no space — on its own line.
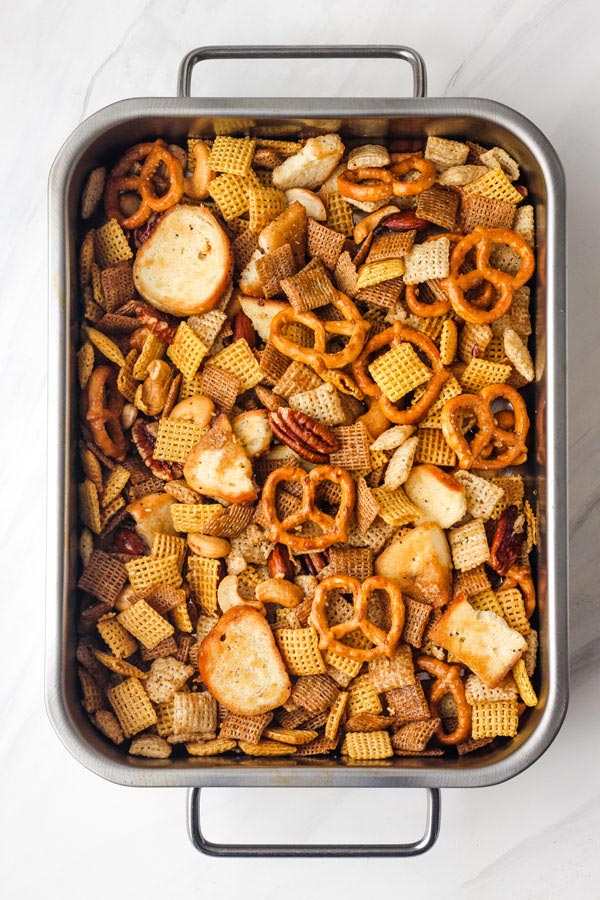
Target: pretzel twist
(402,165)
(102,408)
(492,447)
(331,635)
(447,681)
(366,184)
(457,283)
(520,576)
(334,529)
(398,334)
(123,179)
(351,326)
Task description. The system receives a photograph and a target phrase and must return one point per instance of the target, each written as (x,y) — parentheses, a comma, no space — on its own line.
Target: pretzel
(377,186)
(457,283)
(334,530)
(490,436)
(330,635)
(520,576)
(397,334)
(416,306)
(401,165)
(196,185)
(122,180)
(352,326)
(102,406)
(447,681)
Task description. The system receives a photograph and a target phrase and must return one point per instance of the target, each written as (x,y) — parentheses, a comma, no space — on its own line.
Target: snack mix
(304,531)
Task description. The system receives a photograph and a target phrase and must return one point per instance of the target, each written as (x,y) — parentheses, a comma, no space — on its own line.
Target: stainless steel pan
(99,139)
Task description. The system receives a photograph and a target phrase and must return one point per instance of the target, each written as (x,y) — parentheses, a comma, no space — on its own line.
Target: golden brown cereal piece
(374,273)
(210,748)
(353,451)
(408,703)
(151,746)
(513,609)
(415,621)
(86,258)
(93,695)
(145,624)
(117,287)
(203,578)
(152,349)
(399,371)
(339,214)
(120,666)
(85,363)
(239,360)
(469,545)
(264,205)
(108,724)
(230,193)
(175,439)
(324,243)
(132,706)
(291,736)
(187,350)
(115,482)
(473,581)
(357,562)
(314,692)
(363,698)
(92,192)
(194,713)
(416,735)
(369,745)
(335,716)
(481,372)
(111,245)
(526,690)
(296,379)
(144,571)
(245,728)
(116,637)
(386,674)
(165,678)
(486,211)
(299,648)
(494,184)
(427,261)
(499,718)
(310,288)
(267,748)
(275,267)
(232,155)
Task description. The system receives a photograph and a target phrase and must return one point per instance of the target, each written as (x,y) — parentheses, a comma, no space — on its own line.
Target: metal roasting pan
(99,140)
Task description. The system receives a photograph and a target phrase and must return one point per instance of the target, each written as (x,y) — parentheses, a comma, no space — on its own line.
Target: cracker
(394,506)
(274,268)
(105,346)
(132,706)
(321,404)
(230,193)
(481,372)
(489,212)
(416,735)
(339,214)
(104,577)
(210,748)
(496,719)
(232,155)
(264,205)
(296,379)
(145,624)
(494,184)
(408,703)
(374,273)
(482,494)
(175,439)
(427,261)
(469,545)
(432,447)
(473,581)
(369,745)
(267,748)
(238,360)
(152,349)
(310,289)
(115,482)
(438,205)
(89,506)
(194,713)
(244,728)
(203,578)
(108,724)
(93,695)
(117,285)
(325,243)
(445,153)
(513,609)
(299,648)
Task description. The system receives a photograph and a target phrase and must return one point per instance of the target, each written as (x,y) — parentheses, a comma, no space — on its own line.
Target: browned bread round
(240,664)
(186,264)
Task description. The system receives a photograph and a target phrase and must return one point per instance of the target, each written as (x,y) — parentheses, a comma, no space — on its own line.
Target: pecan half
(127,541)
(279,563)
(163,326)
(405,221)
(312,563)
(243,328)
(307,438)
(144,441)
(507,541)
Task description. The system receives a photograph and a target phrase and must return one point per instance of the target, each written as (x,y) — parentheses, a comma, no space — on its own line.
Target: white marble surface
(63,831)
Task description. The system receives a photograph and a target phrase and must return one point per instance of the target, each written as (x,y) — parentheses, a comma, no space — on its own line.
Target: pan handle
(350,51)
(426,842)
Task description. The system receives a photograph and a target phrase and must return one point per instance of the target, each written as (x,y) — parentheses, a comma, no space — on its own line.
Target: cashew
(313,205)
(208,546)
(124,600)
(156,387)
(278,590)
(128,416)
(228,595)
(197,409)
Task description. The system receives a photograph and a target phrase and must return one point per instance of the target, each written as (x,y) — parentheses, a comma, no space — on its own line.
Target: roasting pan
(99,140)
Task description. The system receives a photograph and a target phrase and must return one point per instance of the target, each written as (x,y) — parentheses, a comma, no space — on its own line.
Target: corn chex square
(230,193)
(152,349)
(194,713)
(116,636)
(145,624)
(394,506)
(144,571)
(132,706)
(169,545)
(187,350)
(110,244)
(469,545)
(486,601)
(494,184)
(203,578)
(377,271)
(299,648)
(339,214)
(239,360)
(399,371)
(264,205)
(513,609)
(231,155)
(368,745)
(175,439)
(498,718)
(481,372)
(427,261)
(432,447)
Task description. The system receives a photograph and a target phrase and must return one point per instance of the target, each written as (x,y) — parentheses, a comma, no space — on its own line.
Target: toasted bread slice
(240,664)
(441,497)
(290,227)
(419,561)
(253,431)
(480,639)
(152,514)
(312,166)
(250,282)
(217,466)
(186,264)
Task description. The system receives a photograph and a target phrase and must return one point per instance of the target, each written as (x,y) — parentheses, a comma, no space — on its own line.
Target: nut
(279,563)
(405,221)
(197,409)
(161,325)
(228,595)
(125,598)
(507,541)
(155,388)
(309,439)
(128,416)
(127,541)
(312,563)
(208,546)
(144,441)
(243,328)
(278,590)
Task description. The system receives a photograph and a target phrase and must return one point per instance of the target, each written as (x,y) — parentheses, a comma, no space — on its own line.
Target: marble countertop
(65,832)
